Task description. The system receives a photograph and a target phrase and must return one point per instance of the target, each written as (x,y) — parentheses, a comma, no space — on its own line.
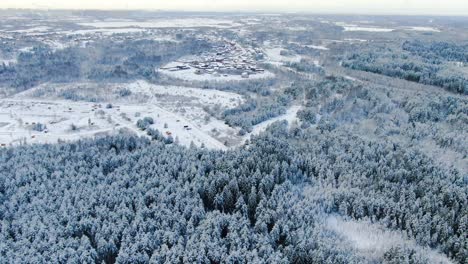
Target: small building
(245,75)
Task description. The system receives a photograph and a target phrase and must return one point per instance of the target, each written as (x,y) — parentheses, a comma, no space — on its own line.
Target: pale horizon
(395,7)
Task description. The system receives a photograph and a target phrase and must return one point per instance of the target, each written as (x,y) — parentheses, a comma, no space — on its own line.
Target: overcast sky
(448,7)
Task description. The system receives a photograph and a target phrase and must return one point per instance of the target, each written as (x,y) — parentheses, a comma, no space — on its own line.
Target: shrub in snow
(145,123)
(39,127)
(125,92)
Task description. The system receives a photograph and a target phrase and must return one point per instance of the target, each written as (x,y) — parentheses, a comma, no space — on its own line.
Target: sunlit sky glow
(443,7)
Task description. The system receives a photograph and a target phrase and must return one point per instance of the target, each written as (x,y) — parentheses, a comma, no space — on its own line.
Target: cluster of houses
(226,59)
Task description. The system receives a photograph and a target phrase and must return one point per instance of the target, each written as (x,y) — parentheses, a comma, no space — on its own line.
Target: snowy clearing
(203,96)
(354,27)
(67,121)
(368,29)
(64,120)
(318,47)
(177,111)
(32,30)
(275,57)
(105,31)
(427,29)
(355,40)
(7,62)
(373,240)
(350,78)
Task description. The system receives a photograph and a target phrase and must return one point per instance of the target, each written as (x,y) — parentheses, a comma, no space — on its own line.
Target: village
(226,59)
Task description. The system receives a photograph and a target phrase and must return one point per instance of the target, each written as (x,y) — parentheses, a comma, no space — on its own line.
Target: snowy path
(289,116)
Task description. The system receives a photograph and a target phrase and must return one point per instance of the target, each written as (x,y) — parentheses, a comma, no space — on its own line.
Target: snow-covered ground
(32,30)
(18,118)
(141,92)
(373,240)
(56,45)
(355,40)
(203,96)
(275,57)
(188,106)
(350,78)
(164,23)
(7,62)
(318,47)
(21,115)
(177,111)
(105,31)
(354,27)
(26,49)
(427,29)
(368,29)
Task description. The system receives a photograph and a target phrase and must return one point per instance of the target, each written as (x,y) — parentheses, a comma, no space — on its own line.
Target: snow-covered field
(427,29)
(355,40)
(368,29)
(7,62)
(202,96)
(164,23)
(371,28)
(105,31)
(177,111)
(32,30)
(59,117)
(318,47)
(275,57)
(353,27)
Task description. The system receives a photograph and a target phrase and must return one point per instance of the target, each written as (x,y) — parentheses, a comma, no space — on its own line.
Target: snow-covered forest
(200,138)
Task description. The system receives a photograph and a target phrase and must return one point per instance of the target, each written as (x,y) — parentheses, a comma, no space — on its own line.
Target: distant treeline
(437,63)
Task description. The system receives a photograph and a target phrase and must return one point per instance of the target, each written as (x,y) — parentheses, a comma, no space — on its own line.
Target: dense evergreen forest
(100,61)
(377,140)
(432,63)
(128,200)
